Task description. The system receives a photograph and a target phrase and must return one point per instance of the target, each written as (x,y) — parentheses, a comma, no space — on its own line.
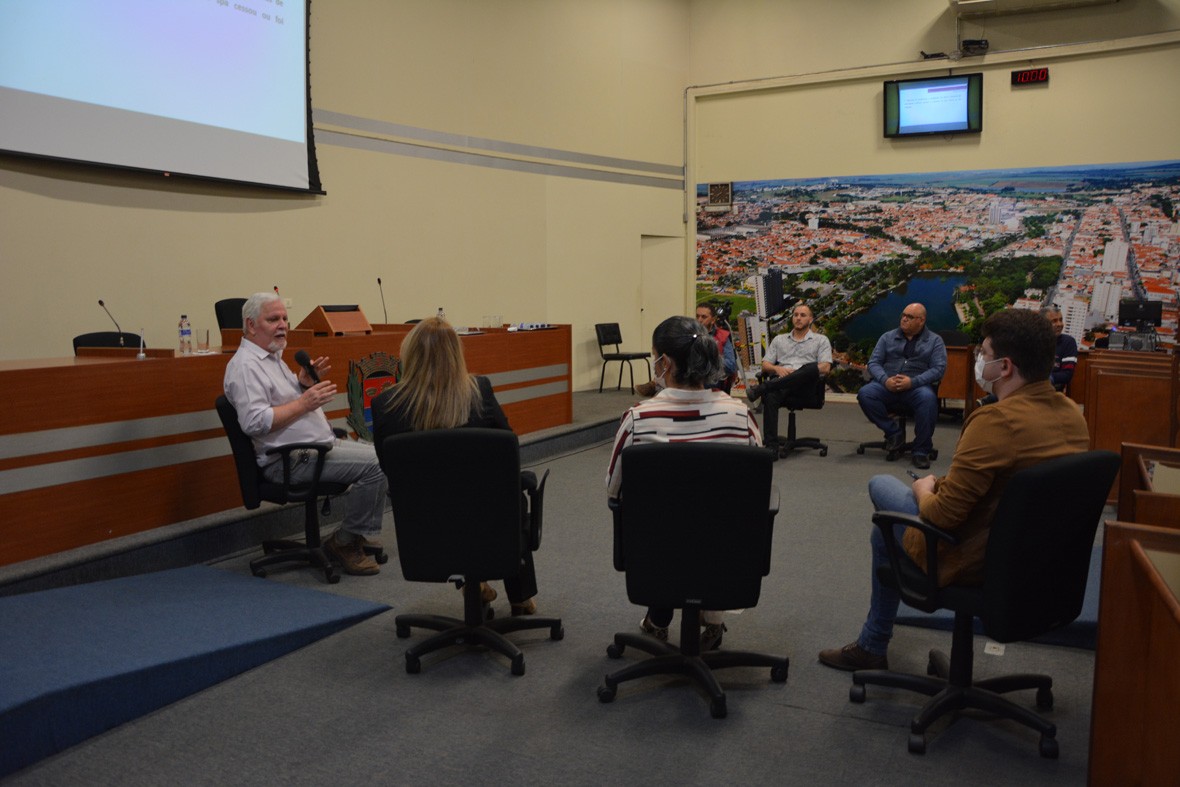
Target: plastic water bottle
(441,314)
(186,336)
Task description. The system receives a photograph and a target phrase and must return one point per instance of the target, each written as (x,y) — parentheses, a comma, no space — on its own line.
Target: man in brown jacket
(1029,424)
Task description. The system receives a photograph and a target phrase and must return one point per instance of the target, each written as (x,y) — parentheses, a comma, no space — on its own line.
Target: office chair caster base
(259,572)
(518,665)
(1044,699)
(778,673)
(403,632)
(557,632)
(614,650)
(1049,747)
(860,449)
(892,456)
(413,664)
(856,693)
(917,743)
(332,575)
(717,707)
(823,452)
(606,693)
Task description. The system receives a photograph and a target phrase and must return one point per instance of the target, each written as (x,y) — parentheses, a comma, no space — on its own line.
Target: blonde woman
(437,392)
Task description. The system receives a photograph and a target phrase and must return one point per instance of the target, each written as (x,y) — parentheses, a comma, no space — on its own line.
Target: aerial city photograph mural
(1090,240)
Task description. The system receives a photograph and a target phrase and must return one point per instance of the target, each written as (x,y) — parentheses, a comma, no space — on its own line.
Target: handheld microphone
(383,311)
(117,328)
(142,354)
(304,360)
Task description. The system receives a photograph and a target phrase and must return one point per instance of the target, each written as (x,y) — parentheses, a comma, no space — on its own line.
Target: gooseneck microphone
(116,322)
(304,360)
(383,311)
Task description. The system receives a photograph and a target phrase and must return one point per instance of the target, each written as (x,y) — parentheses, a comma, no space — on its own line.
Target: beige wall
(446,204)
(595,88)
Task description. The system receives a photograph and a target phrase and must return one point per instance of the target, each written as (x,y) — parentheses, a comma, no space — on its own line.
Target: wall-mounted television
(934,105)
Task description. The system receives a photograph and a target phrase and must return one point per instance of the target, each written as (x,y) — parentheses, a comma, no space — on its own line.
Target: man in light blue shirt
(276,408)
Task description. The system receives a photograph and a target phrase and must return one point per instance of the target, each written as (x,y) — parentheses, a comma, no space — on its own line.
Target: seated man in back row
(1029,424)
(276,408)
(906,365)
(793,363)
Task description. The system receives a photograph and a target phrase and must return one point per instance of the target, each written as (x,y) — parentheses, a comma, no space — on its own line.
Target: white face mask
(980,365)
(659,380)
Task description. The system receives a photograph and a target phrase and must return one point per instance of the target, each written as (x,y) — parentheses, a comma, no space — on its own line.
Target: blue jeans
(349,462)
(876,402)
(888,493)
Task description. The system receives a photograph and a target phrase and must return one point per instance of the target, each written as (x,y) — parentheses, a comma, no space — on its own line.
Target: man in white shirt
(276,408)
(794,363)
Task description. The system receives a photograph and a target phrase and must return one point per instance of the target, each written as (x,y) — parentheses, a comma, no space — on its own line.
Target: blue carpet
(1082,633)
(79,660)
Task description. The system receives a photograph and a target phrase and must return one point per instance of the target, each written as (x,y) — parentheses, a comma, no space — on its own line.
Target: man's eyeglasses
(906,316)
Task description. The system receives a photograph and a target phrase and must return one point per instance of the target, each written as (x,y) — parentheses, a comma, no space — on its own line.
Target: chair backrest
(249,474)
(608,334)
(809,400)
(694,524)
(106,339)
(456,502)
(1039,544)
(229,312)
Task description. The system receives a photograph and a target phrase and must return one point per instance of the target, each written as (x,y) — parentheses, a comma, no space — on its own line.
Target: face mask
(659,378)
(980,365)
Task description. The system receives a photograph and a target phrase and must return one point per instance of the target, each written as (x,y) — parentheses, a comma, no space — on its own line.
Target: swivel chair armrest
(771,512)
(616,507)
(914,596)
(301,491)
(534,491)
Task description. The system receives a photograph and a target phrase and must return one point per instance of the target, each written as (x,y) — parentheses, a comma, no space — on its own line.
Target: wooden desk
(959,380)
(1136,708)
(96,448)
(1139,500)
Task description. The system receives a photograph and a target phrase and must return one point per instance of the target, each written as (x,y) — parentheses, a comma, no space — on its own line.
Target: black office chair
(684,545)
(1037,563)
(462,514)
(901,413)
(229,313)
(256,488)
(805,400)
(106,339)
(609,335)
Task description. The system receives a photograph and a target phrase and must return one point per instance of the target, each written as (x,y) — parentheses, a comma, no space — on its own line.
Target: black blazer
(386,422)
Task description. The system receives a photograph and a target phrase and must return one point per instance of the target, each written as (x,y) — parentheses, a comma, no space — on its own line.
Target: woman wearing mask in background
(686,362)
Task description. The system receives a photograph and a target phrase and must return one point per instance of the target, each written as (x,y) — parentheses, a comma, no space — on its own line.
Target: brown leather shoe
(526,607)
(852,657)
(487,593)
(351,557)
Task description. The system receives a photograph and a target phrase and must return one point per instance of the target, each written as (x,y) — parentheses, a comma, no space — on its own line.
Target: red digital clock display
(1031,76)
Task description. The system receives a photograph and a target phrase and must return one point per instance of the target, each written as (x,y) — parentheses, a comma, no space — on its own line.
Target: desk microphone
(383,311)
(304,360)
(108,311)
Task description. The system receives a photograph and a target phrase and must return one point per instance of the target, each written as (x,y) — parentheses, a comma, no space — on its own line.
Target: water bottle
(186,336)
(441,314)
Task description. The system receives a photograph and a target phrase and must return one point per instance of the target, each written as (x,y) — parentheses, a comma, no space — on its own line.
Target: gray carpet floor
(345,710)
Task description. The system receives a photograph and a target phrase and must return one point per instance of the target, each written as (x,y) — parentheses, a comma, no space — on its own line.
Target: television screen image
(934,105)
